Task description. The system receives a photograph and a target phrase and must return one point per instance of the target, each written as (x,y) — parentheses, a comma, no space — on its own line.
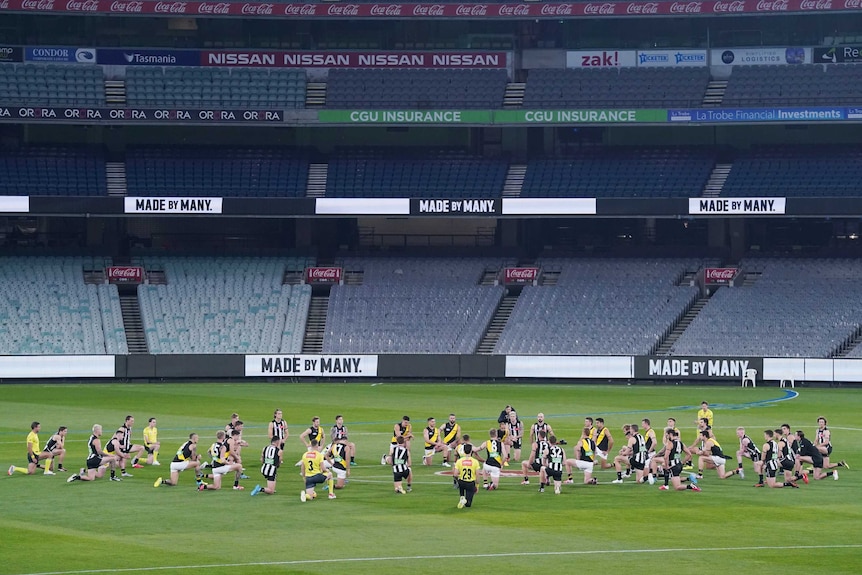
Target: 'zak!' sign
(422,207)
(652,367)
(311,365)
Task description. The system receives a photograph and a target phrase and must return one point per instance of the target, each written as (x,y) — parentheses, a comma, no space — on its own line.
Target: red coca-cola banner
(460,11)
(125,274)
(520,275)
(719,276)
(329,275)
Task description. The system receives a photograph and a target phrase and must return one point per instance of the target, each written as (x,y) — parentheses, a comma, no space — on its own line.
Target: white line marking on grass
(426,557)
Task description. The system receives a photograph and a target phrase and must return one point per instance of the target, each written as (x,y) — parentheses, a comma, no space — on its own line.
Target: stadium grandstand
(439,190)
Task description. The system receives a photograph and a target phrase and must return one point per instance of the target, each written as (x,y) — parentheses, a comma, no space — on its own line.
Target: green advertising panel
(404,116)
(579,116)
(540,117)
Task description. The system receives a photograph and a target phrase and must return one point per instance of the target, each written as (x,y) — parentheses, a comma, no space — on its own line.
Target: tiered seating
(796,308)
(420,305)
(181,171)
(215,87)
(52,171)
(613,307)
(52,85)
(621,172)
(422,173)
(45,308)
(589,88)
(224,305)
(415,89)
(821,170)
(751,86)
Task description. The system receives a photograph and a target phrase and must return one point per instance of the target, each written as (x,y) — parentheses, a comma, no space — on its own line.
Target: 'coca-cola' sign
(719,276)
(124,274)
(464,10)
(327,275)
(520,275)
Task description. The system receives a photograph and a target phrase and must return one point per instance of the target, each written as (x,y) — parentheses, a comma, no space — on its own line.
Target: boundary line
(461,556)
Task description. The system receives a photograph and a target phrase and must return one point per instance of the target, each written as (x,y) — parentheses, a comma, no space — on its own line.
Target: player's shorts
(718,461)
(313,480)
(554,474)
(516,444)
(771,469)
(676,470)
(829,450)
(429,452)
(648,462)
(752,455)
(339,473)
(585,466)
(788,464)
(94,462)
(179,465)
(491,470)
(221,470)
(270,477)
(633,461)
(602,454)
(32,457)
(400,475)
(536,466)
(817,460)
(149,449)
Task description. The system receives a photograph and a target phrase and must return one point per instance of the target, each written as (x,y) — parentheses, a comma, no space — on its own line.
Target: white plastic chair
(750,375)
(784,383)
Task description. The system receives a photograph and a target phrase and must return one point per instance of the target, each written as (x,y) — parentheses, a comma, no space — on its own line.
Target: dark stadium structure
(597,190)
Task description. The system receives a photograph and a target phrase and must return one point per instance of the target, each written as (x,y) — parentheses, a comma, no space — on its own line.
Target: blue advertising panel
(147,57)
(64,54)
(722,115)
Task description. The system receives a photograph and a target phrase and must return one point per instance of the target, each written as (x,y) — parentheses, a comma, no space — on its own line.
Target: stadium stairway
(716,181)
(292,277)
(849,345)
(353,277)
(514,180)
(316,324)
(115,179)
(315,95)
(497,325)
(714,94)
(315,186)
(514,95)
(133,323)
(664,345)
(750,278)
(115,92)
(549,278)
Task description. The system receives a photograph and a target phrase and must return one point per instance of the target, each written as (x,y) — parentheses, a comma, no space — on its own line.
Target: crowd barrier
(429,366)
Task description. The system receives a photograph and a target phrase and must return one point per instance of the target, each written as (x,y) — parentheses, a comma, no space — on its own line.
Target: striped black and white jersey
(399,459)
(126,441)
(555,458)
(675,455)
(271,461)
(639,449)
(541,450)
(92,452)
(751,450)
(278,429)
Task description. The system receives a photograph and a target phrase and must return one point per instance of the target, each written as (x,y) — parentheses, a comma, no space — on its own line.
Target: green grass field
(50,526)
